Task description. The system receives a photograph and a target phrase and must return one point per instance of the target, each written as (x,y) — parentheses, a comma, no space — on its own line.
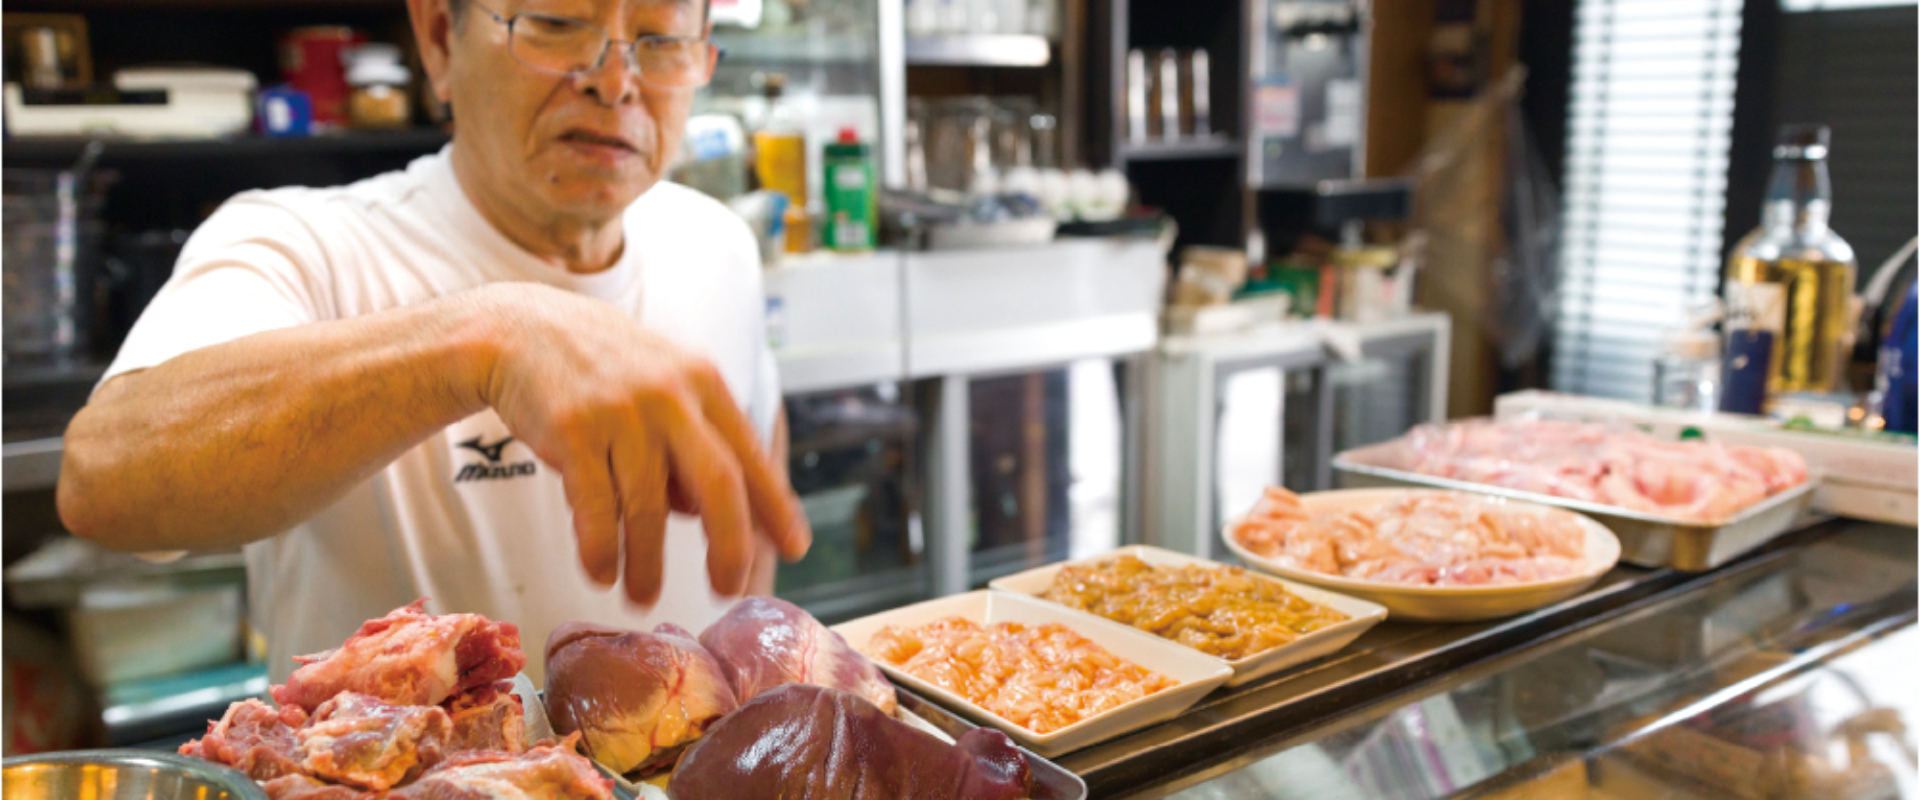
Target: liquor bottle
(1789,287)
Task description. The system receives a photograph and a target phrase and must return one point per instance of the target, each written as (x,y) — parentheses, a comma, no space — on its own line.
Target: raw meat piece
(1040,677)
(801,742)
(540,773)
(301,787)
(362,741)
(487,718)
(253,737)
(637,698)
(1424,539)
(1693,480)
(408,657)
(763,642)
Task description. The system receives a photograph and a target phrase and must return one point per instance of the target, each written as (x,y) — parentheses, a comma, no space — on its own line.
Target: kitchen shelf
(1209,147)
(979,50)
(66,149)
(794,46)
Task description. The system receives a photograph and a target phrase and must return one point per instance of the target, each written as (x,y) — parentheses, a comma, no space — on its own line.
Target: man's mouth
(587,137)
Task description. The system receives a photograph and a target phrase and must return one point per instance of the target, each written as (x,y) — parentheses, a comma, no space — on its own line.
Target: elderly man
(505,378)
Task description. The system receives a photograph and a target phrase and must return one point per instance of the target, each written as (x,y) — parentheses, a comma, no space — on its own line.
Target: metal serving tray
(1645,539)
(1050,781)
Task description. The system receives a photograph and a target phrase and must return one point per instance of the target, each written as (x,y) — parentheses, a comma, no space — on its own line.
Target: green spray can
(851,190)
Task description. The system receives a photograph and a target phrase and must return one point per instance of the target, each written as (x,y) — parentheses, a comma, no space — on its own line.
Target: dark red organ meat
(253,737)
(363,741)
(636,698)
(408,657)
(801,742)
(764,642)
(487,718)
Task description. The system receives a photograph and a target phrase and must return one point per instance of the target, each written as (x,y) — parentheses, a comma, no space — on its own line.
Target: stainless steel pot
(123,775)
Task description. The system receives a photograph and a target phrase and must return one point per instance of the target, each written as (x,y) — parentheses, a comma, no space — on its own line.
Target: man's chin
(598,195)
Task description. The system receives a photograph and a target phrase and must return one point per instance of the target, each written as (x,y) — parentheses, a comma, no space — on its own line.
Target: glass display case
(1787,675)
(853,462)
(1045,462)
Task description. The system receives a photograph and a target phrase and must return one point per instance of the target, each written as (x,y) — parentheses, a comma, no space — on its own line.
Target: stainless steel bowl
(123,775)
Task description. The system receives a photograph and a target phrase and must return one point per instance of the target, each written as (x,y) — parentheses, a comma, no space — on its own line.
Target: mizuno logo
(491,451)
(493,469)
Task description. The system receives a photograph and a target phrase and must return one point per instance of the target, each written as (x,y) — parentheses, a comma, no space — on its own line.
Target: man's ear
(433,31)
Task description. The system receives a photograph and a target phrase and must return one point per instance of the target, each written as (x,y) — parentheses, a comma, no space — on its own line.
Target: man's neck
(578,245)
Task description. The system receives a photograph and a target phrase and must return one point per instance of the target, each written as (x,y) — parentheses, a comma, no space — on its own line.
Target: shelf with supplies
(64,150)
(1177,149)
(979,50)
(793,45)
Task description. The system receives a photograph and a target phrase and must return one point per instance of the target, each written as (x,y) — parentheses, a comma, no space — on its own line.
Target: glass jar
(379,97)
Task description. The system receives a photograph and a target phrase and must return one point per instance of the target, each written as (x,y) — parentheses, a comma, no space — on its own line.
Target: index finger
(775,509)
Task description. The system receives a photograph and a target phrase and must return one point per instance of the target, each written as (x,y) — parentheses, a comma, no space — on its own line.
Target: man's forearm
(239,441)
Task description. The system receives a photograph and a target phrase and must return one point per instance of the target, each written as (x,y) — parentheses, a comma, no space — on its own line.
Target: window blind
(1650,114)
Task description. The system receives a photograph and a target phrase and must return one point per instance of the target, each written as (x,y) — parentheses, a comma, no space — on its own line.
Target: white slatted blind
(1648,129)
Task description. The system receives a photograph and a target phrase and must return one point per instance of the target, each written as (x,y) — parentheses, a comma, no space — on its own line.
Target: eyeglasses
(571,47)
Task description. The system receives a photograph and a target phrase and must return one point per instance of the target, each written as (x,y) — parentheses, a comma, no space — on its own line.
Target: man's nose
(616,80)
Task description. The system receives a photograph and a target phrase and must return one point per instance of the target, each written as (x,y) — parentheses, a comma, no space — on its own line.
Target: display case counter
(1784,674)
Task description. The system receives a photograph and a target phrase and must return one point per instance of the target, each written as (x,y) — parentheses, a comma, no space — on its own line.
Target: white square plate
(1194,673)
(1361,614)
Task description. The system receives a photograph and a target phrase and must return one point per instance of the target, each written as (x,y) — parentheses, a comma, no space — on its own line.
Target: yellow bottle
(780,164)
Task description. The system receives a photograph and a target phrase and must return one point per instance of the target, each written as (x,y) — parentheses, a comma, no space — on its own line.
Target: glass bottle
(1789,284)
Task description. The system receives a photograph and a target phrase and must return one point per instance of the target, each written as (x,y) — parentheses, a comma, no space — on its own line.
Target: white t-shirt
(475,526)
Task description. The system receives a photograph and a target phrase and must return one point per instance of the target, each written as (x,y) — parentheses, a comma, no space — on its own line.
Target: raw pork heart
(800,742)
(637,698)
(764,642)
(408,657)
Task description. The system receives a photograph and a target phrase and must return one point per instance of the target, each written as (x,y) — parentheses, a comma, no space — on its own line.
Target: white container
(1194,673)
(1441,603)
(1361,614)
(128,634)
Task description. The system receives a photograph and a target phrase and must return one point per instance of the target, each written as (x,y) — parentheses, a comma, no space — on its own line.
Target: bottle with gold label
(1789,290)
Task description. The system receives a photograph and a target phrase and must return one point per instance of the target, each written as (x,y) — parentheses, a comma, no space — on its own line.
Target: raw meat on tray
(1424,539)
(408,657)
(412,706)
(637,698)
(764,642)
(1605,464)
(363,741)
(804,741)
(254,738)
(487,718)
(541,773)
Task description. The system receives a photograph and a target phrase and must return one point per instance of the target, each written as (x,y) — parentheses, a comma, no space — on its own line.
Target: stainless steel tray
(1645,539)
(1050,781)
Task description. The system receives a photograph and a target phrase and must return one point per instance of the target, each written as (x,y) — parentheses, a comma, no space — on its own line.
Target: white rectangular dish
(1361,614)
(1194,673)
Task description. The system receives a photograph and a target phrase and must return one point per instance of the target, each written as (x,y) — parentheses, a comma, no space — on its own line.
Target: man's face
(583,146)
